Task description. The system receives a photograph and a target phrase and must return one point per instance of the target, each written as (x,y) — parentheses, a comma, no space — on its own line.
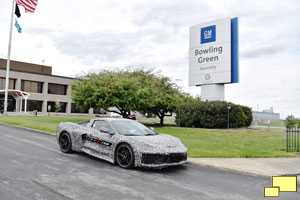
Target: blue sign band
(234,51)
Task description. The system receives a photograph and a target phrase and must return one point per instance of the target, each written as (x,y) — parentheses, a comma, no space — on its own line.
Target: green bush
(213,114)
(248,112)
(291,122)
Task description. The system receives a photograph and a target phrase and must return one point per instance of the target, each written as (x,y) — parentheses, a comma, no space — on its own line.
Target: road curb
(29,129)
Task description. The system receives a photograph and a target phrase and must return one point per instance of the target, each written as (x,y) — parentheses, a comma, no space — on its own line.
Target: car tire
(65,142)
(124,156)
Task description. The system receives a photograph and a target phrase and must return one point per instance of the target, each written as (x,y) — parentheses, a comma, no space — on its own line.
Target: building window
(76,109)
(11,104)
(11,85)
(56,107)
(32,105)
(57,89)
(32,86)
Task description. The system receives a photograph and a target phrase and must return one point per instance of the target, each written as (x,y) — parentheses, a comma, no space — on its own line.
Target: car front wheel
(125,156)
(65,142)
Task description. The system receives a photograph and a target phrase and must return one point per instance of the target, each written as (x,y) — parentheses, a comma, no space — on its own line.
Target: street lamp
(49,109)
(228,108)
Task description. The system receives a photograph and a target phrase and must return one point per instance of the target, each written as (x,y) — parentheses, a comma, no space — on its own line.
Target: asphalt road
(32,167)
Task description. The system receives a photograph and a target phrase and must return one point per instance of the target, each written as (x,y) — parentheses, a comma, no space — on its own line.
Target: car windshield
(132,128)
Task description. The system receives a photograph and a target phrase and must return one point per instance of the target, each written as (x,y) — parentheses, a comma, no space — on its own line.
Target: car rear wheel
(65,142)
(125,156)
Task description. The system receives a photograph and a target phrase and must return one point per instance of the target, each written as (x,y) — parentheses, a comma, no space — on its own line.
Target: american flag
(29,5)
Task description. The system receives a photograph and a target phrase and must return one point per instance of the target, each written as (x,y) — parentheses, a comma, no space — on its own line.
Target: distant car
(132,117)
(125,142)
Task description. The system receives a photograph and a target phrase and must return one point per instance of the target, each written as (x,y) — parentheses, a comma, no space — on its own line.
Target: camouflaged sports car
(123,141)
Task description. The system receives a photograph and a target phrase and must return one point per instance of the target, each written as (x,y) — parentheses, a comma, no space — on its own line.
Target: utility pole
(228,108)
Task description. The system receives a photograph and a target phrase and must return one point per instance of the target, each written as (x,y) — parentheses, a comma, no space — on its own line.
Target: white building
(265,116)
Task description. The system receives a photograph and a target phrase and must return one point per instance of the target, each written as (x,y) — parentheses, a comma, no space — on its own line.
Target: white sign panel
(210,53)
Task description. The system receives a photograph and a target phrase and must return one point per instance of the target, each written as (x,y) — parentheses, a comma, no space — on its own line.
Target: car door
(103,141)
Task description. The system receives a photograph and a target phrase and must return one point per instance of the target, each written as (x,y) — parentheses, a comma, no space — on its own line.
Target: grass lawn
(277,124)
(272,124)
(244,143)
(238,143)
(42,123)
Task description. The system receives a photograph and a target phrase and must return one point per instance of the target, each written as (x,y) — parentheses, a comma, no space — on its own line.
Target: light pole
(49,109)
(228,108)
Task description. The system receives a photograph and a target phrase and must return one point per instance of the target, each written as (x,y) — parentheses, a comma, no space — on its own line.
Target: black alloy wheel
(125,156)
(65,142)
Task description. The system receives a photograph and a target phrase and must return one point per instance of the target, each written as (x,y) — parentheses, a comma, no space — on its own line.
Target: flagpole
(8,57)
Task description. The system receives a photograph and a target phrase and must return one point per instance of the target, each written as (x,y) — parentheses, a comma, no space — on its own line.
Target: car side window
(98,124)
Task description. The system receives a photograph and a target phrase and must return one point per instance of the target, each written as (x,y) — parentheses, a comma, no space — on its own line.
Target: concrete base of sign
(213,92)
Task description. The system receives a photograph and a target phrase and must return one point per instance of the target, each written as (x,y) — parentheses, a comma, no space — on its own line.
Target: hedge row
(213,114)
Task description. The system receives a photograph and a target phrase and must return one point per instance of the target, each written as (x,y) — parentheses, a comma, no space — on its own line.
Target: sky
(77,37)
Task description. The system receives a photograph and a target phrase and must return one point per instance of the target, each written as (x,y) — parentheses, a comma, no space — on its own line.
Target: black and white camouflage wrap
(157,144)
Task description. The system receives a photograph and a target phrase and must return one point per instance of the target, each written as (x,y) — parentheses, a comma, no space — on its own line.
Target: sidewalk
(265,167)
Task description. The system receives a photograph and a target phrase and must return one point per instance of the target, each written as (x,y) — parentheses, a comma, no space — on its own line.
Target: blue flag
(18,27)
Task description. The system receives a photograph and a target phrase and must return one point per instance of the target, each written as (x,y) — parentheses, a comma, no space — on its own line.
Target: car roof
(112,119)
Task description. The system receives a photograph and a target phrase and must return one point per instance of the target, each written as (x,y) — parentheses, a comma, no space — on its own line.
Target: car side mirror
(151,128)
(105,130)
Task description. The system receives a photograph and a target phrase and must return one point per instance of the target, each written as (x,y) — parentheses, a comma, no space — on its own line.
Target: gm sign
(214,53)
(208,34)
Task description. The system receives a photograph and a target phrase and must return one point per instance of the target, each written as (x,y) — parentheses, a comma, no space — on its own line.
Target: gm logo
(208,34)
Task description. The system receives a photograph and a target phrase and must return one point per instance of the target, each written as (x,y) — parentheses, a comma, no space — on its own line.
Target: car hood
(159,141)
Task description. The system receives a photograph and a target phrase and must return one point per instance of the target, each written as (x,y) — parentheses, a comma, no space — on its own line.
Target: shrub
(291,122)
(213,114)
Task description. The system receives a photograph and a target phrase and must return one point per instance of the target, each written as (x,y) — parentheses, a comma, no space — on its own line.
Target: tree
(128,90)
(162,96)
(109,89)
(166,98)
(290,121)
(57,105)
(298,123)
